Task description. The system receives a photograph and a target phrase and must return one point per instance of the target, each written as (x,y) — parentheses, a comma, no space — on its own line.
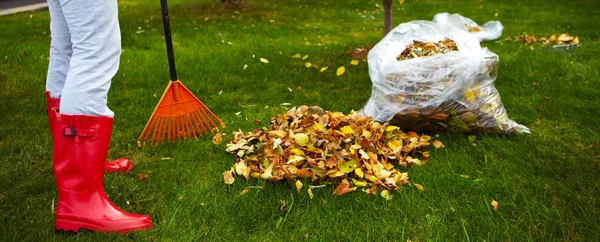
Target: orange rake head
(178,115)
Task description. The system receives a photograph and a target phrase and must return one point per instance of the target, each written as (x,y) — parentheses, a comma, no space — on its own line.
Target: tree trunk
(387,16)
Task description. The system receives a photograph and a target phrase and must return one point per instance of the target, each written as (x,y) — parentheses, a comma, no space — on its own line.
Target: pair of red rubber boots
(80,145)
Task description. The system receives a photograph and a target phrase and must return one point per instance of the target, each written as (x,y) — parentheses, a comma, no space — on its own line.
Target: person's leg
(60,55)
(60,50)
(82,128)
(96,43)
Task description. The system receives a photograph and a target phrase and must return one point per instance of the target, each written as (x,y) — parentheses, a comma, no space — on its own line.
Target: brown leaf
(142,176)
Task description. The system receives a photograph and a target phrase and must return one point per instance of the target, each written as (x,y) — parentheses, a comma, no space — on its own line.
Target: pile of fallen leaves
(419,49)
(349,151)
(555,39)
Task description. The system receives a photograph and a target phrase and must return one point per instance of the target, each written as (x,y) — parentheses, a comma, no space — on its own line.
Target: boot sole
(75,226)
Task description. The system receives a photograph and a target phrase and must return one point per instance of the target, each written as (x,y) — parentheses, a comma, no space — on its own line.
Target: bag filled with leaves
(430,77)
(491,30)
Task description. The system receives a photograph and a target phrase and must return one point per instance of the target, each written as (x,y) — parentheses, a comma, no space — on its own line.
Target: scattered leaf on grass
(343,189)
(263,60)
(310,194)
(465,176)
(297,56)
(418,186)
(299,186)
(494,204)
(385,194)
(354,62)
(438,144)
(217,139)
(243,192)
(142,176)
(324,69)
(283,206)
(472,138)
(228,177)
(308,64)
(401,2)
(305,57)
(340,71)
(166,158)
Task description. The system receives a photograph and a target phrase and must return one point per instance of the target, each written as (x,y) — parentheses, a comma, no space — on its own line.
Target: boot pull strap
(69,131)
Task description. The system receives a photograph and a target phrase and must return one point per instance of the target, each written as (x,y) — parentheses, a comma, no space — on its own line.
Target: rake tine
(156,128)
(147,132)
(187,123)
(163,130)
(213,115)
(203,119)
(207,117)
(191,125)
(171,132)
(183,131)
(180,128)
(167,130)
(194,125)
(177,130)
(198,121)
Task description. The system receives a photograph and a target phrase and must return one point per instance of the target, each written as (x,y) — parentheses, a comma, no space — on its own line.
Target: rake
(179,114)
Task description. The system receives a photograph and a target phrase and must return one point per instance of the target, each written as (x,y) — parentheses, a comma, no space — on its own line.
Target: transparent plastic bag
(453,91)
(489,31)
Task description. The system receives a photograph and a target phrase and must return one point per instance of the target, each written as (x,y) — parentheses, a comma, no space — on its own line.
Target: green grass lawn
(546,182)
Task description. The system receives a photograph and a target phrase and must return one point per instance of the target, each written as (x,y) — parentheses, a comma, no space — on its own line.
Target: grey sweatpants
(84,54)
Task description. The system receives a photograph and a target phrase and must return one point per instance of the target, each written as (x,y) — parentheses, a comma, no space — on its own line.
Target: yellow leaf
(308,64)
(401,2)
(347,130)
(310,194)
(418,186)
(354,62)
(263,60)
(359,183)
(390,128)
(228,177)
(319,126)
(301,139)
(296,56)
(394,144)
(359,172)
(243,192)
(340,71)
(323,69)
(297,151)
(385,194)
(494,204)
(470,95)
(305,57)
(217,139)
(299,186)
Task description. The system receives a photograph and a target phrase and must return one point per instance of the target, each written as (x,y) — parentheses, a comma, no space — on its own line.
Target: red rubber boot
(80,145)
(119,165)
